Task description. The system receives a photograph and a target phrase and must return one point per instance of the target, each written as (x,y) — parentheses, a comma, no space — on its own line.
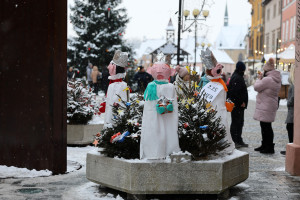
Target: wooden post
(33,84)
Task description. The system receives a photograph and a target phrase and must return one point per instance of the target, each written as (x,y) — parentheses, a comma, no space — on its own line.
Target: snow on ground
(252,96)
(90,191)
(74,154)
(6,172)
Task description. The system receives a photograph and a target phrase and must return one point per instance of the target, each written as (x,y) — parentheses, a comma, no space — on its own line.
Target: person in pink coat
(268,86)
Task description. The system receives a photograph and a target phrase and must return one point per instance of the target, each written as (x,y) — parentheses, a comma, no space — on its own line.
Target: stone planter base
(82,134)
(165,177)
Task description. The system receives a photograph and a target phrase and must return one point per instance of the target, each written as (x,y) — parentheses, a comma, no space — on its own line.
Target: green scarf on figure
(150,92)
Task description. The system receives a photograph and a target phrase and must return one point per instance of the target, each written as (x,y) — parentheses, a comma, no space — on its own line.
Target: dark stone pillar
(33,39)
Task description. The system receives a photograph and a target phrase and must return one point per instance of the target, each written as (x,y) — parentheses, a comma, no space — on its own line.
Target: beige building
(272,24)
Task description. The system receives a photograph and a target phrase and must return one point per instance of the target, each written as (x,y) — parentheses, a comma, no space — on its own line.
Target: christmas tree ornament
(127,88)
(187,106)
(98,135)
(115,104)
(186,125)
(108,12)
(122,138)
(96,142)
(188,69)
(194,72)
(89,48)
(203,127)
(115,137)
(128,104)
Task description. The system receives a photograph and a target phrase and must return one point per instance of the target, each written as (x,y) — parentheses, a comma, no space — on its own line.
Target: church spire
(170,32)
(226,16)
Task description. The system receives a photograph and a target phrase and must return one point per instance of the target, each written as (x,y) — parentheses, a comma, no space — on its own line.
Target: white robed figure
(215,92)
(117,87)
(159,137)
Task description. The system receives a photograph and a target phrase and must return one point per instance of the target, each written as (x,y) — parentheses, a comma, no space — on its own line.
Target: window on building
(287,30)
(279,7)
(273,41)
(283,32)
(267,43)
(258,6)
(295,25)
(291,28)
(274,11)
(268,14)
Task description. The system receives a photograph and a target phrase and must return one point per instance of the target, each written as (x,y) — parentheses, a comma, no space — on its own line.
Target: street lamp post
(196,14)
(277,44)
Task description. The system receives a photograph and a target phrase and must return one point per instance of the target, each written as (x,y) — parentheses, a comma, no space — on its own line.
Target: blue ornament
(203,127)
(122,138)
(128,104)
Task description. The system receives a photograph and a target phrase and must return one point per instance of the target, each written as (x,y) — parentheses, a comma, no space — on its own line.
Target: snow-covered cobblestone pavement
(267,178)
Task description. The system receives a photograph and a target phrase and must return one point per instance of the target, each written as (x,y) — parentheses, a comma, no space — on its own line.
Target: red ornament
(89,48)
(120,34)
(81,16)
(78,72)
(108,9)
(137,124)
(186,125)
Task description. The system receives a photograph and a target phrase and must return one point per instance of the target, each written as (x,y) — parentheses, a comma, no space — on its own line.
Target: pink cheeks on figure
(161,71)
(217,70)
(112,69)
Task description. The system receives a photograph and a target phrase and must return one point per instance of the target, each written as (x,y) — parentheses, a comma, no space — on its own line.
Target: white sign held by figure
(211,90)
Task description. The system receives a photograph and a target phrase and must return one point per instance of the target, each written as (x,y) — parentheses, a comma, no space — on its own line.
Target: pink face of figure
(217,70)
(112,69)
(161,71)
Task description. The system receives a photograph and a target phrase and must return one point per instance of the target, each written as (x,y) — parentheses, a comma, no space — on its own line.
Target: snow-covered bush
(80,103)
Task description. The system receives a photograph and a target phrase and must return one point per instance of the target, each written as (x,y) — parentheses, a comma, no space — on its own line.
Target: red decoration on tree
(120,34)
(78,72)
(81,16)
(89,48)
(186,125)
(108,9)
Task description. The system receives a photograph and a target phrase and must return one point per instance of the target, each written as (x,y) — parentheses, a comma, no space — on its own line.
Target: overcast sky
(149,18)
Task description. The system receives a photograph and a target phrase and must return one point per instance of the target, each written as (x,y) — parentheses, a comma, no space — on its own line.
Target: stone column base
(292,162)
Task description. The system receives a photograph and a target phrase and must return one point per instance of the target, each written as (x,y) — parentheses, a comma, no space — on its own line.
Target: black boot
(261,147)
(268,149)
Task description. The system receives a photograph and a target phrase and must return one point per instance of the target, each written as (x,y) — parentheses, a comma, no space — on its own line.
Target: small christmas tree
(80,104)
(200,132)
(122,138)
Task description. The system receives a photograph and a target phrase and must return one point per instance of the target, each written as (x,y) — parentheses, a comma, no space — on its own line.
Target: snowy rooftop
(231,37)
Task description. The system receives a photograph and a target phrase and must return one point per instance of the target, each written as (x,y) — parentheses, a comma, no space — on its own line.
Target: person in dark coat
(238,94)
(290,105)
(70,74)
(142,78)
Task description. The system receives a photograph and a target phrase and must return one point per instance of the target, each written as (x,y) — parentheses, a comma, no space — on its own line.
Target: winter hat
(120,58)
(240,66)
(182,71)
(208,59)
(269,66)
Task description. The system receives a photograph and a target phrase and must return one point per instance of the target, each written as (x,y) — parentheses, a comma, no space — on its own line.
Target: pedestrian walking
(95,73)
(267,85)
(290,105)
(70,74)
(238,94)
(89,70)
(142,78)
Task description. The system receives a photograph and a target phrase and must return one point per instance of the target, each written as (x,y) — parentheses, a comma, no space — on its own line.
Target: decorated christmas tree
(122,138)
(80,103)
(200,132)
(100,27)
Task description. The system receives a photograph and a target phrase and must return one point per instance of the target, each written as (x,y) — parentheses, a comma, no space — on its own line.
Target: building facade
(256,34)
(288,26)
(272,26)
